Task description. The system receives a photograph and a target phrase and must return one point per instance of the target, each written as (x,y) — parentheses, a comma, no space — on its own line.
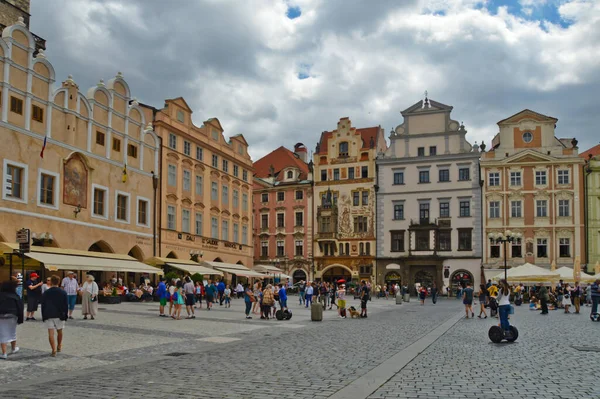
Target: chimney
(300,151)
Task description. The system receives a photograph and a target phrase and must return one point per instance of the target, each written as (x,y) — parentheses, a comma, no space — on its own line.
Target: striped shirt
(70,286)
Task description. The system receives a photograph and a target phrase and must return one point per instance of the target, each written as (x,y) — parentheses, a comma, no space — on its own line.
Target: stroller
(493,306)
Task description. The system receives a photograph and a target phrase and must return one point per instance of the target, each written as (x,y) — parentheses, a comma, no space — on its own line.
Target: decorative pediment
(225,212)
(199,205)
(235,216)
(564,233)
(493,197)
(280,208)
(172,197)
(528,156)
(199,166)
(298,235)
(224,177)
(264,236)
(236,183)
(187,161)
(173,156)
(542,232)
(264,209)
(541,194)
(298,206)
(245,219)
(280,236)
(564,194)
(215,209)
(186,201)
(516,194)
(433,106)
(527,114)
(181,102)
(245,186)
(215,173)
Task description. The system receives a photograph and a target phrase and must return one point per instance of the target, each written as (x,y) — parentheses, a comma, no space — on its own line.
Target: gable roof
(434,106)
(181,101)
(527,112)
(366,134)
(280,158)
(594,152)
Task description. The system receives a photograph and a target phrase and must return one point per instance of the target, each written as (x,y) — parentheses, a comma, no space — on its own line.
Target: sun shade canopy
(54,262)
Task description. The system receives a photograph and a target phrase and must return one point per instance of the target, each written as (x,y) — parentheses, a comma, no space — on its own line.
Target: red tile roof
(594,152)
(280,158)
(367,134)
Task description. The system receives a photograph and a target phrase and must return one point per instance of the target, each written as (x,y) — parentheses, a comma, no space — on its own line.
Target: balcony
(325,236)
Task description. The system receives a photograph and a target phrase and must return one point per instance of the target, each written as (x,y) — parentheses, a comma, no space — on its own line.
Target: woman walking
(504,304)
(179,301)
(199,289)
(566,297)
(256,304)
(249,299)
(11,314)
(267,301)
(482,297)
(422,294)
(89,298)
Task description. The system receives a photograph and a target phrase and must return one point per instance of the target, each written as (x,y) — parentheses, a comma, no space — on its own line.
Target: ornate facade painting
(75,179)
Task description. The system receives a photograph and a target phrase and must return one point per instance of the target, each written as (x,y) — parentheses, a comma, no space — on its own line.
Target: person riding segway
(504,331)
(595,288)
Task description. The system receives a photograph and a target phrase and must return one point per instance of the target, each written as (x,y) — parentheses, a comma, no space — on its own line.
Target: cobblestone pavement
(128,352)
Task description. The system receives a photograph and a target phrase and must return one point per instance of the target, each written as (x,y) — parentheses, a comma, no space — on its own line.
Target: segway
(595,316)
(283,314)
(497,334)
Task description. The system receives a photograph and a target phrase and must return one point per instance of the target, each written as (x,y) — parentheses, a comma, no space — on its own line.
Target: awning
(55,262)
(238,270)
(195,268)
(271,270)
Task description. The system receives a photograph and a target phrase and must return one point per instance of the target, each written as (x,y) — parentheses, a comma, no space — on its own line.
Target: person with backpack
(467,296)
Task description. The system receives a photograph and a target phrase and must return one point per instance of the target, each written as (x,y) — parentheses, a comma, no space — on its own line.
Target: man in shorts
(70,285)
(55,310)
(468,300)
(188,290)
(163,296)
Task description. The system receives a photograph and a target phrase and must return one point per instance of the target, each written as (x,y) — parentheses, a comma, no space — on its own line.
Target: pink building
(283,211)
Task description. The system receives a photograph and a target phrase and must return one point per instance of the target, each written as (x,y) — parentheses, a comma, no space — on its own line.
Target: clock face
(527,137)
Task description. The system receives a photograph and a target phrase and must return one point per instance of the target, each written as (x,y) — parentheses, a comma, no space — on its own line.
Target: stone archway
(217,259)
(136,253)
(335,272)
(299,275)
(101,246)
(172,255)
(461,278)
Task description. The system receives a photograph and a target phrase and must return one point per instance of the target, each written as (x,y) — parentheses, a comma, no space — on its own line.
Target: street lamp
(507,236)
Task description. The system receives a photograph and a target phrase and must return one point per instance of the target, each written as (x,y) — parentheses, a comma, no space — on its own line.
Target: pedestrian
(89,298)
(341,303)
(249,299)
(576,294)
(332,293)
(468,300)
(422,294)
(163,296)
(323,290)
(302,292)
(588,295)
(172,289)
(55,311)
(256,306)
(504,306)
(178,301)
(282,297)
(434,293)
(268,300)
(559,293)
(11,315)
(566,297)
(309,294)
(189,291)
(70,285)
(221,290)
(34,294)
(46,285)
(544,298)
(209,294)
(482,300)
(239,290)
(595,289)
(364,297)
(227,295)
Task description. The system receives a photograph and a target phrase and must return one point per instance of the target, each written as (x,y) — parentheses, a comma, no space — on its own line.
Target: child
(227,294)
(199,288)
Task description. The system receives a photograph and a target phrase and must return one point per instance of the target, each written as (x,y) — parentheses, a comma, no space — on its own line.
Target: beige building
(206,192)
(344,195)
(77,196)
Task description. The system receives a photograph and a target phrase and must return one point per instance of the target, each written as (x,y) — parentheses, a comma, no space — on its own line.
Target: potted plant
(114,298)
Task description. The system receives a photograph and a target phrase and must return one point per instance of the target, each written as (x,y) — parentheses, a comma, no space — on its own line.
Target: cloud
(277,79)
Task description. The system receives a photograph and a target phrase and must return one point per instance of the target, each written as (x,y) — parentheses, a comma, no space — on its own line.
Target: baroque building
(344,195)
(17,11)
(428,204)
(533,185)
(592,206)
(205,191)
(283,211)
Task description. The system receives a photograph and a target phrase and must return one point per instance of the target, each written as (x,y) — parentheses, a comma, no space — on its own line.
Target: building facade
(205,193)
(283,217)
(344,194)
(93,188)
(17,11)
(592,206)
(533,185)
(428,204)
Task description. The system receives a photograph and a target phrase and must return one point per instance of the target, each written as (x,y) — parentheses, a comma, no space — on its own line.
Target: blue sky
(534,10)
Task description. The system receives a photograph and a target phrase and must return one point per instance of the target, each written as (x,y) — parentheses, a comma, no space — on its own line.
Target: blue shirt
(221,287)
(161,290)
(282,294)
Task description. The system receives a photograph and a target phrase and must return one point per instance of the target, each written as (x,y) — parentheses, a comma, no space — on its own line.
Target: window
(564,210)
(541,208)
(515,178)
(494,209)
(172,141)
(199,153)
(515,209)
(214,191)
(465,208)
(280,248)
(225,195)
(187,148)
(494,179)
(236,198)
(122,207)
(180,116)
(365,198)
(444,175)
(236,170)
(185,220)
(236,233)
(356,198)
(421,151)
(225,165)
(132,150)
(542,247)
(244,202)
(215,135)
(214,228)
(494,250)
(444,240)
(244,175)
(264,221)
(37,113)
(299,218)
(100,138)
(336,174)
(142,212)
(397,239)
(517,248)
(171,217)
(280,196)
(343,149)
(422,240)
(99,208)
(323,175)
(116,146)
(464,239)
(325,224)
(432,150)
(198,226)
(423,176)
(199,185)
(245,235)
(187,180)
(527,137)
(398,177)
(280,220)
(172,175)
(264,197)
(350,173)
(264,249)
(424,212)
(299,248)
(47,189)
(364,172)
(16,105)
(540,177)
(362,248)
(241,149)
(360,224)
(563,177)
(368,248)
(225,230)
(464,174)
(444,209)
(398,211)
(299,194)
(215,161)
(564,247)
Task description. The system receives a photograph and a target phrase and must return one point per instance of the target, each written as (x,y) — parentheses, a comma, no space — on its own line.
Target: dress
(87,306)
(8,328)
(180,297)
(566,300)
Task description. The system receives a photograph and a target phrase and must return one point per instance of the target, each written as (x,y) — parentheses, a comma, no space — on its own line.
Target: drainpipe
(587,170)
(375,225)
(481,199)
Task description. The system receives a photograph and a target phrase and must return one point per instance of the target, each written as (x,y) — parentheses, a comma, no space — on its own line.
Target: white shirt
(92,287)
(70,286)
(239,288)
(309,290)
(503,299)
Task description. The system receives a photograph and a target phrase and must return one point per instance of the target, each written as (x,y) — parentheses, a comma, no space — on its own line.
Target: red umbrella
(341,281)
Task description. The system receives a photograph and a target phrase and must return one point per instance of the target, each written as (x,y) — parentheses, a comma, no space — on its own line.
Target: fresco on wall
(75,178)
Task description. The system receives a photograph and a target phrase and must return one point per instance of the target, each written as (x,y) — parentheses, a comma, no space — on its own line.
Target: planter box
(110,300)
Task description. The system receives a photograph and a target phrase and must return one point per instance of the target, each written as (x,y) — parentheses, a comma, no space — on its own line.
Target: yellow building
(77,196)
(205,190)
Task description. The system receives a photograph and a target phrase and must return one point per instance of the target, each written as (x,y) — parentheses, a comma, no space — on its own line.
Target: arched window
(361,246)
(347,249)
(343,149)
(368,248)
(341,249)
(290,174)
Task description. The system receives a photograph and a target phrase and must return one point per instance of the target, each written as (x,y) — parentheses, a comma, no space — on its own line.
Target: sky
(283,71)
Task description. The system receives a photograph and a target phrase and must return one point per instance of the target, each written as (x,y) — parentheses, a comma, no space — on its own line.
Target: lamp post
(507,236)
